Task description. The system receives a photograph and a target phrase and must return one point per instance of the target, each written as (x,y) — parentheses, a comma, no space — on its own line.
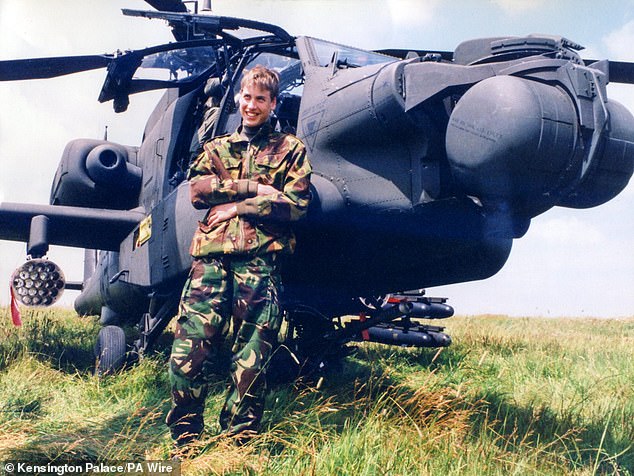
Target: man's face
(256,105)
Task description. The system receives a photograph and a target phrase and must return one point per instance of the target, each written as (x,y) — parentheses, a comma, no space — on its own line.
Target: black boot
(186,424)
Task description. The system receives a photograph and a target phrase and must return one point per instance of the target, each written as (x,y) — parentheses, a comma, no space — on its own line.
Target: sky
(570,263)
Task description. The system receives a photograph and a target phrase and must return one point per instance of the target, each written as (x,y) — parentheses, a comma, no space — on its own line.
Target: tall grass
(510,396)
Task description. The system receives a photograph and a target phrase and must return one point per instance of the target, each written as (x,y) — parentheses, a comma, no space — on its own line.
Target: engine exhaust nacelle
(520,143)
(610,173)
(98,174)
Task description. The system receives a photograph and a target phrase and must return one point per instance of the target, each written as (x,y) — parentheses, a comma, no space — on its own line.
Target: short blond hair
(262,77)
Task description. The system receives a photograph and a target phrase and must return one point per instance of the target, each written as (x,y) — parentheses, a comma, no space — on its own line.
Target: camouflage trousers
(219,288)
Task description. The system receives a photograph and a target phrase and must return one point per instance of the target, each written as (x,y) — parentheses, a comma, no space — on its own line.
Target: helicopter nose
(520,142)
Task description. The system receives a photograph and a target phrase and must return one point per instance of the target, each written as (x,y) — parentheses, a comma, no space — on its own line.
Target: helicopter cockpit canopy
(346,56)
(184,65)
(209,45)
(177,65)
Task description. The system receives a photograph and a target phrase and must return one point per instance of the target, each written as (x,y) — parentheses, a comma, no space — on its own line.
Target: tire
(110,350)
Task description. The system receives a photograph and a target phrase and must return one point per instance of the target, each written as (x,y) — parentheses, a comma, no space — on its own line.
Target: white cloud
(412,13)
(518,6)
(58,28)
(363,23)
(619,42)
(564,230)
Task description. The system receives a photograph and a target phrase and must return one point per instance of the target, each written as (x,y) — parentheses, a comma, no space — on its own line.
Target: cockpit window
(176,65)
(288,67)
(352,57)
(183,65)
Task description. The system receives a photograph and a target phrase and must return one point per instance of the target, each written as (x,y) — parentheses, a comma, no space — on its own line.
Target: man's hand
(264,189)
(220,213)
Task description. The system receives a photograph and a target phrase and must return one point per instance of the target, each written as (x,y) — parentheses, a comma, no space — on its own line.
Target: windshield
(352,57)
(176,64)
(288,67)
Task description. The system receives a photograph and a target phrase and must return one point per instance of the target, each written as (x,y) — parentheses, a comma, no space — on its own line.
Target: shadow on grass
(567,441)
(61,339)
(66,343)
(125,437)
(577,442)
(136,428)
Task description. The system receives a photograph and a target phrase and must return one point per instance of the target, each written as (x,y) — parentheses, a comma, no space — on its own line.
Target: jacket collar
(262,135)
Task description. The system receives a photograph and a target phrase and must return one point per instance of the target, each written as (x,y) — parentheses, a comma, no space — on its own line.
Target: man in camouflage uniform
(255,182)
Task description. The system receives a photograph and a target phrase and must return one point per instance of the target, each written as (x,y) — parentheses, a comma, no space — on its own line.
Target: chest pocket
(270,169)
(233,166)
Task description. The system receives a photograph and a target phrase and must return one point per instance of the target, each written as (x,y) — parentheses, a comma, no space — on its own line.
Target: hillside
(510,396)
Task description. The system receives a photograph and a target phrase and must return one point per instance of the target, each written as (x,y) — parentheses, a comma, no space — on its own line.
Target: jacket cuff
(247,208)
(247,188)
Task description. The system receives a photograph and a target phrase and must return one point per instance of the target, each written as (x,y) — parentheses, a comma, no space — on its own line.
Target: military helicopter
(427,166)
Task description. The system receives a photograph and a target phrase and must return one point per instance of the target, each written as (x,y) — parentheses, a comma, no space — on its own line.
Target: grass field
(510,396)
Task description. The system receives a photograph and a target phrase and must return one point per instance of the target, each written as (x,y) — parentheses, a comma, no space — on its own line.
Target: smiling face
(256,105)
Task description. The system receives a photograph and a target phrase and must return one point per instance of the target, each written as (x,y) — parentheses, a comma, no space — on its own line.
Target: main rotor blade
(621,72)
(402,53)
(40,68)
(168,5)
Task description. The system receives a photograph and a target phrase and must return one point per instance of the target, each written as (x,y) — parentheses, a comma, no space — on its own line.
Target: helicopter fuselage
(426,167)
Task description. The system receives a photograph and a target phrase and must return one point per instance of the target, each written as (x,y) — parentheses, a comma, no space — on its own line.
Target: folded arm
(288,204)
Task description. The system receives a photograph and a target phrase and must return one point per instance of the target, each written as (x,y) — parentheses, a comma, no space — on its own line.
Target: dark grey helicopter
(427,166)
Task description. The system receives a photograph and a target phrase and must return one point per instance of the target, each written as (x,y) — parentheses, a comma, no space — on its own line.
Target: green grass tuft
(510,396)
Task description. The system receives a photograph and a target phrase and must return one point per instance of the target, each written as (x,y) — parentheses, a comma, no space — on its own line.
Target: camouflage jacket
(229,170)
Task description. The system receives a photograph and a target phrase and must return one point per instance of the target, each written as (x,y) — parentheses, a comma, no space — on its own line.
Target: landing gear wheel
(110,350)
